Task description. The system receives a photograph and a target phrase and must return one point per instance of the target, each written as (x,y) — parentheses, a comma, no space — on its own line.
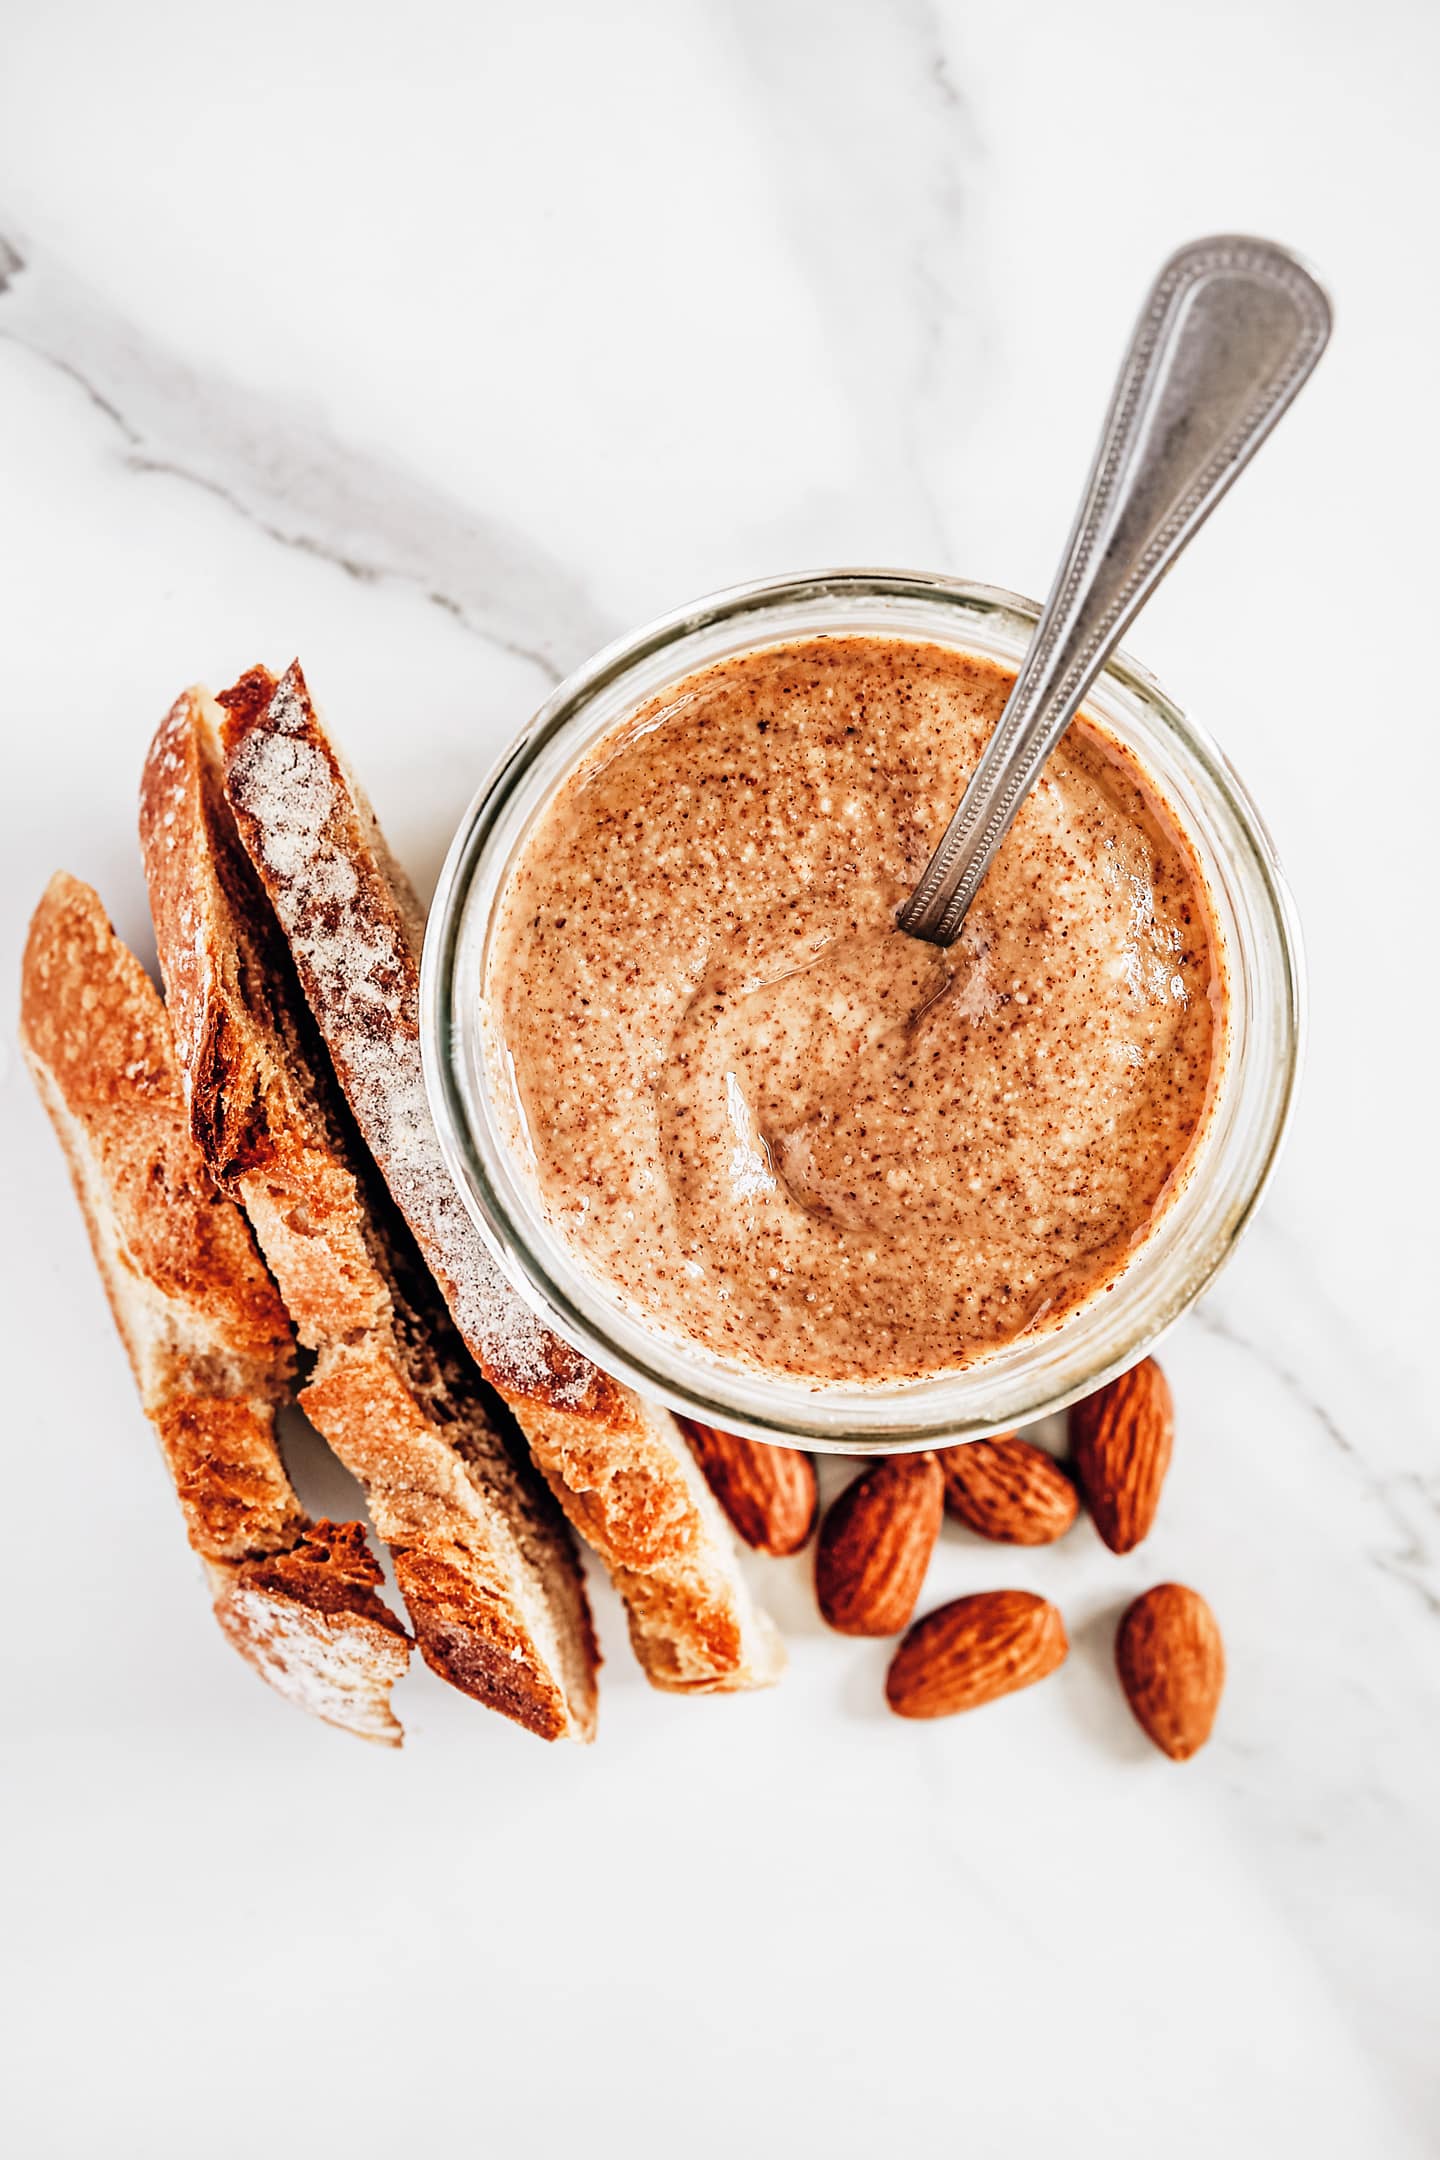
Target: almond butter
(1171,1662)
(768,1491)
(1121,1438)
(875,1545)
(974,1650)
(1009,1490)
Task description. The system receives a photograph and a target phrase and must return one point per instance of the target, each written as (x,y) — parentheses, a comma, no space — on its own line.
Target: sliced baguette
(207,1337)
(622,1471)
(483,1557)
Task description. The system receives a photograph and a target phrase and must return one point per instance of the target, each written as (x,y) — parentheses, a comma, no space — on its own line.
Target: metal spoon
(1231,330)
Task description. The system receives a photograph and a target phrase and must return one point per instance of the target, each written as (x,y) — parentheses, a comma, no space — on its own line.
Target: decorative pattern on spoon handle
(1230,332)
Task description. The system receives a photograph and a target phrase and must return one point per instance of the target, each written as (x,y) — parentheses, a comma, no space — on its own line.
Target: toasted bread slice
(621,1471)
(309,1621)
(483,1557)
(207,1337)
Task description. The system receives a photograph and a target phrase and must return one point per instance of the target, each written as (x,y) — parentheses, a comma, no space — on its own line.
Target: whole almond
(768,1492)
(1171,1662)
(875,1545)
(1009,1490)
(1121,1438)
(973,1651)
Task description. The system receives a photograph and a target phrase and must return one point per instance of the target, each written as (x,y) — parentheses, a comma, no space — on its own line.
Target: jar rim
(1034,1375)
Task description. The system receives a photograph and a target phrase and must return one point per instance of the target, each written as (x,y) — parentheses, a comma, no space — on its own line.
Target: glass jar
(1033,1375)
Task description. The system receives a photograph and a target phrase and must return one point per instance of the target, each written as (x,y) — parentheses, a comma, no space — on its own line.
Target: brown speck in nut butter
(773,1123)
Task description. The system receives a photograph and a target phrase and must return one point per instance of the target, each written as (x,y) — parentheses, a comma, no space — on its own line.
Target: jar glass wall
(1032,1375)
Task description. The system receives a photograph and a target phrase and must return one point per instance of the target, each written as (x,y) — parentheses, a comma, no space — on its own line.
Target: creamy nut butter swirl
(772,1123)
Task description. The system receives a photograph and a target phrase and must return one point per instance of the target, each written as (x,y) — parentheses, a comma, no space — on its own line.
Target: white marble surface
(437,343)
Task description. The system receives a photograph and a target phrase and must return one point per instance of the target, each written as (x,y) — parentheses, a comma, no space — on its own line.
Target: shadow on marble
(862,1695)
(1093,1700)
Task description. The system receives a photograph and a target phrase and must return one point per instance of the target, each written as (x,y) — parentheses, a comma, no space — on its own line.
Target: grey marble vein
(289,475)
(1409,1501)
(940,252)
(874,169)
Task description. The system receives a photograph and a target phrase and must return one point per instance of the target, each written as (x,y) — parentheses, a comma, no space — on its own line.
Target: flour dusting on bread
(483,1557)
(208,1340)
(354,929)
(622,1472)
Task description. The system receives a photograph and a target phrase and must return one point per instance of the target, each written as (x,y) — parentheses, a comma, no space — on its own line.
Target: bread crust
(483,1558)
(207,1337)
(310,1623)
(622,1472)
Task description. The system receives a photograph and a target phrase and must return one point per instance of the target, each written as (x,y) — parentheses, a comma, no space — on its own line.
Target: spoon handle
(1230,331)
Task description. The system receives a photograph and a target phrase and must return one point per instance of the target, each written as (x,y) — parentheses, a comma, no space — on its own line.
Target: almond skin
(1009,1490)
(973,1651)
(1121,1439)
(769,1493)
(1171,1662)
(875,1545)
